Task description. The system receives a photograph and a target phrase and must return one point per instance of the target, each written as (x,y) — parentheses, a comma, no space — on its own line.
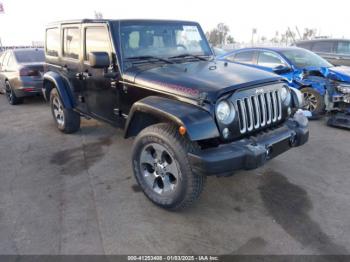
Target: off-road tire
(11,96)
(71,119)
(320,103)
(189,185)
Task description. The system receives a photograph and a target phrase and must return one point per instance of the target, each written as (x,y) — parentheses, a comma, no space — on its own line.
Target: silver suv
(336,51)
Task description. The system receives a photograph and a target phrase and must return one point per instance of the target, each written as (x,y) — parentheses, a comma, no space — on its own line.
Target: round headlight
(225,112)
(285,95)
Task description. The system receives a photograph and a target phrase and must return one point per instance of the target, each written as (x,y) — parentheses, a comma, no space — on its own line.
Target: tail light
(29,72)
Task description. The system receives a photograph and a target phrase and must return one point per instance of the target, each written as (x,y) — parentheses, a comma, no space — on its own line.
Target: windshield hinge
(202,97)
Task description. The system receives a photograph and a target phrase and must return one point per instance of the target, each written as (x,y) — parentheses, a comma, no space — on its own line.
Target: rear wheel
(314,101)
(162,169)
(11,96)
(67,120)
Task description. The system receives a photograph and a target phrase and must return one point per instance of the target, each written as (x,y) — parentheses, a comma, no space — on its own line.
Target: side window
(343,47)
(323,46)
(269,59)
(96,40)
(6,58)
(71,42)
(1,59)
(11,61)
(244,57)
(52,41)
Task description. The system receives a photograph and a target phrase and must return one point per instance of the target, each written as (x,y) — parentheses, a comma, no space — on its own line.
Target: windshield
(304,58)
(30,56)
(162,40)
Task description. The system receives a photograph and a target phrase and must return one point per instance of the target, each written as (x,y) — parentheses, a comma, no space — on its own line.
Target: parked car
(324,86)
(335,51)
(192,116)
(21,73)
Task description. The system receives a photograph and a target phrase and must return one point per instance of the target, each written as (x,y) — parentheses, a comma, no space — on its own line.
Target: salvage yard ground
(76,194)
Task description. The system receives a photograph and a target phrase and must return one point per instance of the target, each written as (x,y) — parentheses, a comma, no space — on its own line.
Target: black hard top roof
(85,21)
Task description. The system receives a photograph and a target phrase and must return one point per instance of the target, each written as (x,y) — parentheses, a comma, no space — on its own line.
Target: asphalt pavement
(76,194)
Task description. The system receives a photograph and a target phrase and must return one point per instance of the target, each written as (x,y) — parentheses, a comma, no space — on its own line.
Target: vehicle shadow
(34,100)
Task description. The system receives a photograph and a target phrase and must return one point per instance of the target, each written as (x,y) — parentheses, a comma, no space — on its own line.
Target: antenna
(291,35)
(297,29)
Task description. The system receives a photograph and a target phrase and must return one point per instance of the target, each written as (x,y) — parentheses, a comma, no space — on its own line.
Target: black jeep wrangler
(192,115)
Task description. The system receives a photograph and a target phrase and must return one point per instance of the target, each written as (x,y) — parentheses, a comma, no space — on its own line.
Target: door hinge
(125,89)
(81,99)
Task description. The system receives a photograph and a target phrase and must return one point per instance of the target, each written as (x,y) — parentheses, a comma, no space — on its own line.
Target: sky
(24,20)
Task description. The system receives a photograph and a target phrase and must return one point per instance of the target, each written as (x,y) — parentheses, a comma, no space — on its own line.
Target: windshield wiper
(148,58)
(189,55)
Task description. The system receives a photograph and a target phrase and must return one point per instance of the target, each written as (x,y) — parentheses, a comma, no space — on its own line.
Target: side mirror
(99,60)
(281,69)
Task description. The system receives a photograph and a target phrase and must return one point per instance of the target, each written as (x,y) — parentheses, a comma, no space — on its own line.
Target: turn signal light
(182,130)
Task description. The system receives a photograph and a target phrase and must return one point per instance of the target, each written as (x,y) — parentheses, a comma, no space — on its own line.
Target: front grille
(259,110)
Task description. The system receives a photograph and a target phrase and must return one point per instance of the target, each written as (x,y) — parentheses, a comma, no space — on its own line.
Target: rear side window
(324,46)
(244,57)
(52,41)
(11,62)
(1,58)
(71,42)
(343,47)
(96,40)
(6,58)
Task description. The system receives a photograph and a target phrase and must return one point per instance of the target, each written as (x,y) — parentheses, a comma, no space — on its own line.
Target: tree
(230,39)
(98,15)
(219,35)
(309,33)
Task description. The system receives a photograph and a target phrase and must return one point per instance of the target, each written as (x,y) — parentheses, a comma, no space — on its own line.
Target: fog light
(182,130)
(225,133)
(289,110)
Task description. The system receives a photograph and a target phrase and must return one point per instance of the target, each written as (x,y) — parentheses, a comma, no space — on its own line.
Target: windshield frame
(117,26)
(321,59)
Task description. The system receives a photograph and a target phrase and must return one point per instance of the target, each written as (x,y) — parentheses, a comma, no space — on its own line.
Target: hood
(339,73)
(212,78)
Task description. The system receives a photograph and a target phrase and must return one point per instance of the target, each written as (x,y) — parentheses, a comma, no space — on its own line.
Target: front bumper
(345,98)
(249,153)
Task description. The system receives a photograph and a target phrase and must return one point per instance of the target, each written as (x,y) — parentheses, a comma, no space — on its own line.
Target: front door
(101,85)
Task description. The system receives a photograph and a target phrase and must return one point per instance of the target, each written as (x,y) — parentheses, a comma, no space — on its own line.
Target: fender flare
(199,123)
(62,87)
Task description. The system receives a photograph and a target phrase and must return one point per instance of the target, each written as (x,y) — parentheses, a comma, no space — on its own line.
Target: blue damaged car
(326,88)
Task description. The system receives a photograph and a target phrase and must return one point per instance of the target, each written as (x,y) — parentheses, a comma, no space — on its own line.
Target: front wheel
(162,169)
(67,120)
(314,101)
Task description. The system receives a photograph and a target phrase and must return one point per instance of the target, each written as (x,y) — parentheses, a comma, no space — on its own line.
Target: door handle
(79,76)
(86,75)
(83,75)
